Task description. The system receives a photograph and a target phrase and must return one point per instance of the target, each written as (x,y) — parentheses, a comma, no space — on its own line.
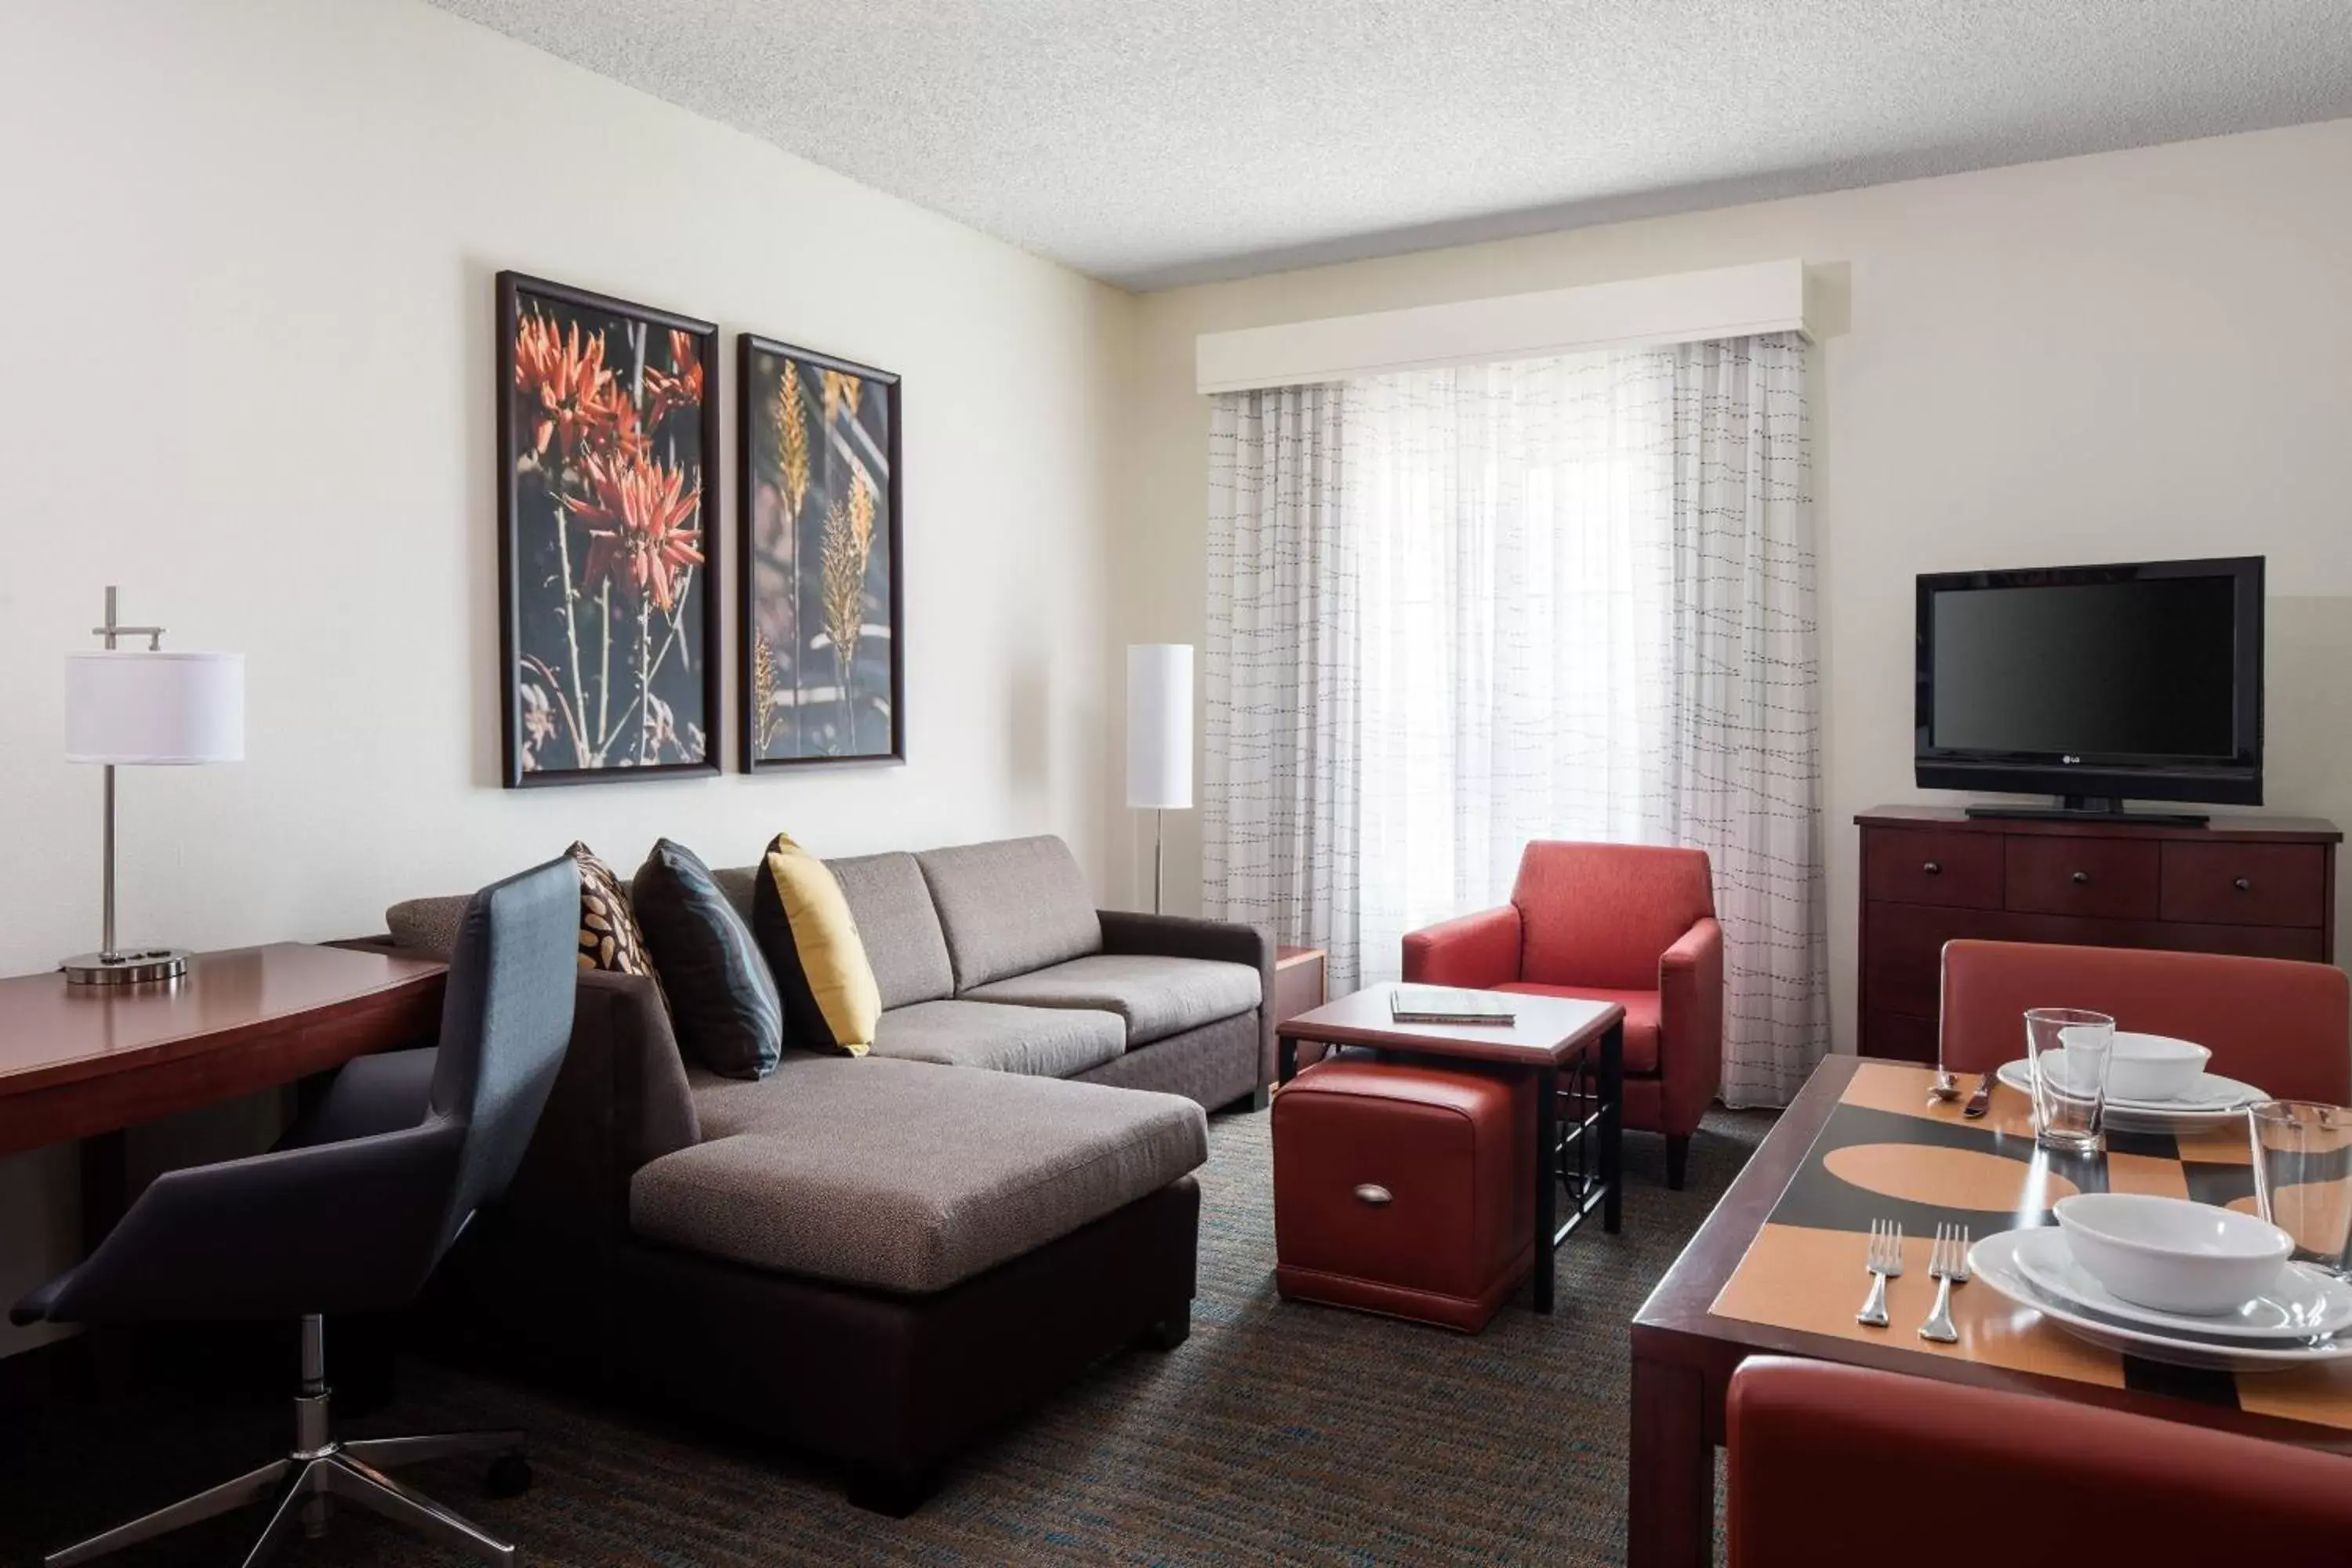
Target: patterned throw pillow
(609,938)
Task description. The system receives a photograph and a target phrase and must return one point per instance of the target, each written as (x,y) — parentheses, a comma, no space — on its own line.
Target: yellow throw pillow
(804,928)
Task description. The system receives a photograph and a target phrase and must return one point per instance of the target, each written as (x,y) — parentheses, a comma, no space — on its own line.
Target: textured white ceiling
(1151,143)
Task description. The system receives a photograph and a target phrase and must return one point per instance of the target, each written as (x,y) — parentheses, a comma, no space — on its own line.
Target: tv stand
(2257,884)
(2090,810)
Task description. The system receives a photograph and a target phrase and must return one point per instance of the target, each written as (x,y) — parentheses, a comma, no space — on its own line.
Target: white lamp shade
(145,708)
(1159,726)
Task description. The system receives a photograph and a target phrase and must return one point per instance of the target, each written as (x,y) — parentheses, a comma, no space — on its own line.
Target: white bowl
(2171,1254)
(2154,1067)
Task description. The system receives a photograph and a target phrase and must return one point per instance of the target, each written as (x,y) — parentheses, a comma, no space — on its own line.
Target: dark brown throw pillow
(609,937)
(722,999)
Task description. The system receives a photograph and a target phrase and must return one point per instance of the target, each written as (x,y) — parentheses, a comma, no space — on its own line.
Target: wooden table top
(1777,1267)
(1547,1030)
(53,1033)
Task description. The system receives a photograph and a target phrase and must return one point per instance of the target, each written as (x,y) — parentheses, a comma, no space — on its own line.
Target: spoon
(1946,1086)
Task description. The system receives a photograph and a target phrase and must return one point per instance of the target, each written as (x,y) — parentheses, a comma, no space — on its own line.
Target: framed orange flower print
(608,519)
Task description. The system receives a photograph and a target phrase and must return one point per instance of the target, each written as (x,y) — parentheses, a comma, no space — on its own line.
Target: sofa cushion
(892,906)
(811,941)
(722,999)
(1641,1018)
(1156,996)
(427,925)
(740,883)
(904,1176)
(1011,906)
(1051,1042)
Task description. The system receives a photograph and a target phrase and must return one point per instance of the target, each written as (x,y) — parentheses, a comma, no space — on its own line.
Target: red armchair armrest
(1478,951)
(1690,1014)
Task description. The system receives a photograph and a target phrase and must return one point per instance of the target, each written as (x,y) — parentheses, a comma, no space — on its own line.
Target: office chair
(350,1213)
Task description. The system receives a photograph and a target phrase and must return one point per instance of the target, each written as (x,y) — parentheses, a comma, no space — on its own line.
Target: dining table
(1778,1269)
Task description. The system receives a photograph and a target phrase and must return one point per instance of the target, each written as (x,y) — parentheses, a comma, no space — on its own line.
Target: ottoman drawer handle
(1374,1195)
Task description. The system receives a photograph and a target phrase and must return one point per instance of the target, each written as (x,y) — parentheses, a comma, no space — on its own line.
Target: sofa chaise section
(871,1173)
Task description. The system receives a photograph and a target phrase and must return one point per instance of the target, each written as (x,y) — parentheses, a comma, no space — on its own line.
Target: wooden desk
(89,1061)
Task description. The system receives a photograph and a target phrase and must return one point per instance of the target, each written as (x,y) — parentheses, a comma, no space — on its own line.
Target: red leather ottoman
(1404,1190)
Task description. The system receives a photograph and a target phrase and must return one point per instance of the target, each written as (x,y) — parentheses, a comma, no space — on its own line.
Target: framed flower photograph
(823,658)
(608,513)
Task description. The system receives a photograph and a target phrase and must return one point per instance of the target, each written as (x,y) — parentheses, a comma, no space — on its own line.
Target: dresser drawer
(1897,1034)
(1904,970)
(2114,878)
(2246,884)
(1922,865)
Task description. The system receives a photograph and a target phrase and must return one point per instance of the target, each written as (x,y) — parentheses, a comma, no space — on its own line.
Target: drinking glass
(2302,1175)
(2067,1052)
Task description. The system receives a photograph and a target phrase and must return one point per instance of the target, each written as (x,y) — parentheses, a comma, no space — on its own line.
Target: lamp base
(133,968)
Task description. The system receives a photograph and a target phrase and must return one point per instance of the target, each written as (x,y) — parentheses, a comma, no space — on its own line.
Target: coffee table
(1549,1037)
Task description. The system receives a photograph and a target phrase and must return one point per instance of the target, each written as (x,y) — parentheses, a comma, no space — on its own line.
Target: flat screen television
(2094,683)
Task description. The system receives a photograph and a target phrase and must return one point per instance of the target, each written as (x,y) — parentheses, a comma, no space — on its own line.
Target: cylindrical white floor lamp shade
(1159,726)
(145,708)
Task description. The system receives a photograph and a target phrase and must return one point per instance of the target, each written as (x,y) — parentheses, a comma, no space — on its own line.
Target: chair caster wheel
(510,1475)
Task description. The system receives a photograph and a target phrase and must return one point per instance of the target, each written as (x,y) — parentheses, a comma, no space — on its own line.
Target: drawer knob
(2243,884)
(1376,1196)
(1933,867)
(2080,877)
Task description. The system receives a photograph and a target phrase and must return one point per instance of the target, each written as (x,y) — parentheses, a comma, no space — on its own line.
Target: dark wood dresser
(2259,885)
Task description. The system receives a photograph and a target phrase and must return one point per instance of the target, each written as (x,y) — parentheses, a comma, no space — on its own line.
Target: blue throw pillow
(722,1000)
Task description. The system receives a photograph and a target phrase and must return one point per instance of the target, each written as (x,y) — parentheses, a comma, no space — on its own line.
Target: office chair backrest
(506,1021)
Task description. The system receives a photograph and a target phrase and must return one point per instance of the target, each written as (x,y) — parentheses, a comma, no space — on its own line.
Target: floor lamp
(1159,738)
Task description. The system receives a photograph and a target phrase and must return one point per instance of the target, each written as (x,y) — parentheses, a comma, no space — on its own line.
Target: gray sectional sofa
(877,1259)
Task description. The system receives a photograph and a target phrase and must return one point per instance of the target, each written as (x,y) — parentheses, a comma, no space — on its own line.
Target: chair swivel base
(321,1473)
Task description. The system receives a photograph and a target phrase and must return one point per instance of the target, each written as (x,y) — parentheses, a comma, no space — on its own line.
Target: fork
(1948,1265)
(1885,1261)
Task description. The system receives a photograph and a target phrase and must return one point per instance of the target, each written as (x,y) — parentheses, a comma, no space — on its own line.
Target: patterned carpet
(1278,1433)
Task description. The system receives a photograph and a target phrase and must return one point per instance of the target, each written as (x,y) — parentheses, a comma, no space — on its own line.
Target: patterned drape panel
(1278,826)
(1563,598)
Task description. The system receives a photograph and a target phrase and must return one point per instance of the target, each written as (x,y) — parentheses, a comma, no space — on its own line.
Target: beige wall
(247,285)
(2140,354)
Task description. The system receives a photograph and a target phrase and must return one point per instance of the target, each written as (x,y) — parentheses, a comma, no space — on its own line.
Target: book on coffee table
(1450,1004)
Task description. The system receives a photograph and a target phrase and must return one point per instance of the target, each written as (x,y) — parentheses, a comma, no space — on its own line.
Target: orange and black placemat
(1888,1152)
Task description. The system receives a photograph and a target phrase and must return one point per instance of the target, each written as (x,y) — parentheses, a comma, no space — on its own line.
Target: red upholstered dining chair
(1632,923)
(2280,1024)
(2074,1483)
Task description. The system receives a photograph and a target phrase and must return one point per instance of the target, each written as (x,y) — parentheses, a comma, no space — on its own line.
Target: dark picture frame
(609,543)
(817,561)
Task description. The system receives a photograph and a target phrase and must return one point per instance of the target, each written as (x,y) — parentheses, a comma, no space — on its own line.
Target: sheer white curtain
(1454,610)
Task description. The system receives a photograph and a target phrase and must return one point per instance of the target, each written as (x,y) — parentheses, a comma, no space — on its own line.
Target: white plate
(2217,1099)
(2305,1302)
(1993,1263)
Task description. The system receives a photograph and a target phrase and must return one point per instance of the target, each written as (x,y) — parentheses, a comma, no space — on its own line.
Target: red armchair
(2274,1022)
(1613,923)
(1842,1464)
